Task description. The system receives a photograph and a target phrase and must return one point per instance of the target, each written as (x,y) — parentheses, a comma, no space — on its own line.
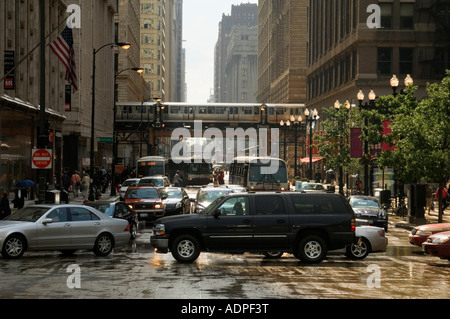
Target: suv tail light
(353,225)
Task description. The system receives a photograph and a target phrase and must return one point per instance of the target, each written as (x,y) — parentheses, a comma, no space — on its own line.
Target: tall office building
(244,16)
(161,48)
(347,53)
(282,51)
(68,112)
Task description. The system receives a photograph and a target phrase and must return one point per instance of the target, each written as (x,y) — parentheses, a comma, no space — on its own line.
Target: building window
(386,15)
(384,60)
(406,57)
(406,15)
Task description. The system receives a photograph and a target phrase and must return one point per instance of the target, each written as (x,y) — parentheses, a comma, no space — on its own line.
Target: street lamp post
(115,138)
(366,106)
(295,123)
(125,46)
(311,118)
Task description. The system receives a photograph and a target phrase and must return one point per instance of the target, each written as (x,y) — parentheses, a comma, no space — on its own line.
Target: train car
(176,113)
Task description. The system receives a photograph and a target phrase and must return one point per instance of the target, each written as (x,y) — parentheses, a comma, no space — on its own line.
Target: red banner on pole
(356,144)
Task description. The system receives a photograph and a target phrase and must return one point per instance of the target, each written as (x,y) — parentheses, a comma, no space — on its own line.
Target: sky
(200,32)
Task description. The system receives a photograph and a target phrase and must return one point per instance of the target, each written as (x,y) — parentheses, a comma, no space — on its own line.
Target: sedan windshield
(364,203)
(143,193)
(172,193)
(28,214)
(209,196)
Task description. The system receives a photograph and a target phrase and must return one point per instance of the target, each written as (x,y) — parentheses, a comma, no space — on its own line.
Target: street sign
(41,159)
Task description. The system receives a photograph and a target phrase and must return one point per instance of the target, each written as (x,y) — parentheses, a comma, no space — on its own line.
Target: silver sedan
(66,228)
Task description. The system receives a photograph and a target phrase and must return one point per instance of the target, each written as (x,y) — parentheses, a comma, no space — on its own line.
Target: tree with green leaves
(420,134)
(334,142)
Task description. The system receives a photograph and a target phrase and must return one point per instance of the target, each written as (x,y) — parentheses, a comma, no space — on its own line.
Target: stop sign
(41,158)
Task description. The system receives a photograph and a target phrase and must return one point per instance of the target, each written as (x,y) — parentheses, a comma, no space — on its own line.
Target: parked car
(206,195)
(118,210)
(177,201)
(236,188)
(438,245)
(312,187)
(419,234)
(371,239)
(156,181)
(307,225)
(145,201)
(66,228)
(369,208)
(127,183)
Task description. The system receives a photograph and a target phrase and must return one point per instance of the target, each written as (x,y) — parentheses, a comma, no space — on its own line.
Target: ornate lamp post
(311,118)
(367,106)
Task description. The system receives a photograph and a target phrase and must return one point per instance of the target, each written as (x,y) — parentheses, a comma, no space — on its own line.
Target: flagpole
(31,51)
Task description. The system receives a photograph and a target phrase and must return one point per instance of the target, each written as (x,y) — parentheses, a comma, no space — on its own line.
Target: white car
(127,183)
(66,228)
(372,239)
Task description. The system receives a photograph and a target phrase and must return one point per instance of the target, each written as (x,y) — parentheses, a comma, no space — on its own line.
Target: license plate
(143,215)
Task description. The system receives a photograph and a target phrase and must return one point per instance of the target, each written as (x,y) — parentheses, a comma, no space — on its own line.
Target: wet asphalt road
(137,272)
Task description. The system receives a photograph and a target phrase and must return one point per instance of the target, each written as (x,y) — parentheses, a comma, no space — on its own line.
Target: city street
(137,272)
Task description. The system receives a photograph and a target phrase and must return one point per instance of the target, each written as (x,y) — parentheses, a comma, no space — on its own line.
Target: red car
(438,245)
(145,201)
(420,234)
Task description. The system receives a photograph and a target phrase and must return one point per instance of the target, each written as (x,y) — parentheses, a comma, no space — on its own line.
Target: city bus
(192,173)
(152,165)
(247,171)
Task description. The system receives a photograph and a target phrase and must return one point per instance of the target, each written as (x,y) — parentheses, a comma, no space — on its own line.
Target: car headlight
(440,240)
(424,233)
(178,205)
(159,229)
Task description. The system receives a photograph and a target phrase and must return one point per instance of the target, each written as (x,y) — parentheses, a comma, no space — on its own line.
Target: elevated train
(175,113)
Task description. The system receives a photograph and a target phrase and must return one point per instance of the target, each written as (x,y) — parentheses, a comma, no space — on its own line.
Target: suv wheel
(312,249)
(185,248)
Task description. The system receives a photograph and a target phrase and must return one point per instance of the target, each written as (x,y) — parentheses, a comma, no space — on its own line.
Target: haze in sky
(200,33)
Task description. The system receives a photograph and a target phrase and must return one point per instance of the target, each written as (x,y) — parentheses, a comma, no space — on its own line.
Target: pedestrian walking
(443,192)
(5,209)
(76,182)
(86,182)
(177,179)
(65,181)
(429,198)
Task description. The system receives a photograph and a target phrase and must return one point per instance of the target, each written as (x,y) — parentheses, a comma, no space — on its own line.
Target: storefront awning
(305,160)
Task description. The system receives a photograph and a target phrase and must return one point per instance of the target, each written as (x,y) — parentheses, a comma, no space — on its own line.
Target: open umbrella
(25,183)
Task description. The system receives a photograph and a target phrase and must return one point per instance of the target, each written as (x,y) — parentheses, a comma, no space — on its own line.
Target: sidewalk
(404,222)
(73,200)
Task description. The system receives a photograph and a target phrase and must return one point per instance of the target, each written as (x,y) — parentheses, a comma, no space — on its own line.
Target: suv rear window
(313,204)
(269,205)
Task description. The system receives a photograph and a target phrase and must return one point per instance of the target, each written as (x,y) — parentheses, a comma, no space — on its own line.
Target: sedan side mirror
(47,221)
(217,213)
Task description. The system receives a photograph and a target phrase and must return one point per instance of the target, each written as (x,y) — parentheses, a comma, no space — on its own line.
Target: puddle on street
(397,251)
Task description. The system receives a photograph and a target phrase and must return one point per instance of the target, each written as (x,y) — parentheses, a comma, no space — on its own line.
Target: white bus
(247,171)
(152,165)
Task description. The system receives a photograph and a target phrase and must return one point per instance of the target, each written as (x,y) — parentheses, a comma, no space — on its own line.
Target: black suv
(307,225)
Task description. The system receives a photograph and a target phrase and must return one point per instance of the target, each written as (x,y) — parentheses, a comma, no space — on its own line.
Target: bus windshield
(255,174)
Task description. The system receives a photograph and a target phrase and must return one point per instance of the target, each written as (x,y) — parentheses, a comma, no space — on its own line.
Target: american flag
(63,48)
